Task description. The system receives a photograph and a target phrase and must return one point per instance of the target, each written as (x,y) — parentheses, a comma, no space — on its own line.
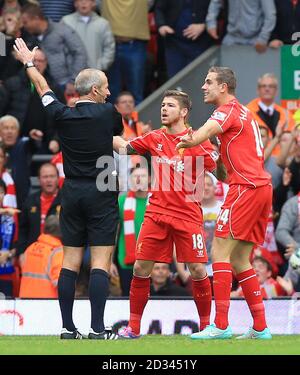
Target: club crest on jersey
(159,147)
(219,116)
(181,151)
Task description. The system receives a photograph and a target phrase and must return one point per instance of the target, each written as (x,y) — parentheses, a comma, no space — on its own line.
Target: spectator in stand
(294,276)
(19,152)
(290,184)
(39,206)
(269,286)
(6,253)
(288,228)
(10,198)
(210,208)
(264,109)
(129,23)
(260,251)
(11,19)
(95,33)
(22,101)
(249,23)
(132,206)
(271,164)
(42,262)
(55,10)
(63,47)
(287,23)
(182,26)
(125,105)
(162,284)
(10,4)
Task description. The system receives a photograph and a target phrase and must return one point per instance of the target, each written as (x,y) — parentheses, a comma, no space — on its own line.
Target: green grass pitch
(148,345)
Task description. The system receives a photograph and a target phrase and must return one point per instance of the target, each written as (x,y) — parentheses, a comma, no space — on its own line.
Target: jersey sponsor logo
(219,116)
(46,100)
(257,293)
(177,164)
(159,147)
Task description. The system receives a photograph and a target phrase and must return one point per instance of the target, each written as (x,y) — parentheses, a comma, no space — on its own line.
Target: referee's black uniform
(88,216)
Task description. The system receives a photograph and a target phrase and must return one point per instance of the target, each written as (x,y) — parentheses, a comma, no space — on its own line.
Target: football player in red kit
(243,218)
(174,214)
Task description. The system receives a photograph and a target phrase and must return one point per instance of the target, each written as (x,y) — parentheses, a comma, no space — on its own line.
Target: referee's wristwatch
(29,64)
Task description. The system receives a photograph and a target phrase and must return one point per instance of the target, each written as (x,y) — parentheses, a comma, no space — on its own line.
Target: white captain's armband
(47,99)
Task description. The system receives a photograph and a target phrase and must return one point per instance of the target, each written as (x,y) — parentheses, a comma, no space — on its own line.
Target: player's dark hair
(225,75)
(182,98)
(33,10)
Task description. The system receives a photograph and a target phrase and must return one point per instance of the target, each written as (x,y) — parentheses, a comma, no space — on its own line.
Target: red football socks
(139,294)
(222,281)
(252,293)
(202,297)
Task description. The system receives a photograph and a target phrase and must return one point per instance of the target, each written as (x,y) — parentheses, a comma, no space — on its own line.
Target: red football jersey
(241,146)
(177,189)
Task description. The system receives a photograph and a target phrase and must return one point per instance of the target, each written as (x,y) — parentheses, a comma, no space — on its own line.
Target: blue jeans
(179,54)
(128,70)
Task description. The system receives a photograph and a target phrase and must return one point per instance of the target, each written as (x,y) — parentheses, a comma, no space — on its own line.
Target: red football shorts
(158,235)
(244,214)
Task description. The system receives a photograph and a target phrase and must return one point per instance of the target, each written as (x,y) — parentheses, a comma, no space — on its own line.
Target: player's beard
(172,122)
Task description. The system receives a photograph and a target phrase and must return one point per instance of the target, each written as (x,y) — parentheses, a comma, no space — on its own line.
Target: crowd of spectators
(139,45)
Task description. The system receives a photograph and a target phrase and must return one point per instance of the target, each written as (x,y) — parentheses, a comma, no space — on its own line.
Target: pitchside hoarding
(166,317)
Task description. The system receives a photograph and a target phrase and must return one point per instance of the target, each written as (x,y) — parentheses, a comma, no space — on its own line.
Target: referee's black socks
(98,292)
(66,294)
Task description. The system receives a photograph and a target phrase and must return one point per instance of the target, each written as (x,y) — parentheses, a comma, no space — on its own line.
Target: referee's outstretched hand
(23,54)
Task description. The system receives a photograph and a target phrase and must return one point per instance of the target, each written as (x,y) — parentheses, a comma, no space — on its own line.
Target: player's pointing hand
(187,140)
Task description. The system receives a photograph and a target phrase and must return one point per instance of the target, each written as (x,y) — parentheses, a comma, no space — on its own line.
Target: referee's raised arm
(26,57)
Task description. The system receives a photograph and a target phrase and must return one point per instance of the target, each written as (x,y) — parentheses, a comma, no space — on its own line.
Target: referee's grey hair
(86,79)
(5,118)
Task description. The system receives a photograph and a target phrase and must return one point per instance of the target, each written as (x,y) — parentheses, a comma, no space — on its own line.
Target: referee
(89,213)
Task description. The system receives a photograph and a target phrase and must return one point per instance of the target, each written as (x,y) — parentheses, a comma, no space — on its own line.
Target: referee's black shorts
(88,216)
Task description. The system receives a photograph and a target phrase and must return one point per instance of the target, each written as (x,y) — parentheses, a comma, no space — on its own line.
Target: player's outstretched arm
(122,147)
(209,129)
(119,143)
(26,56)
